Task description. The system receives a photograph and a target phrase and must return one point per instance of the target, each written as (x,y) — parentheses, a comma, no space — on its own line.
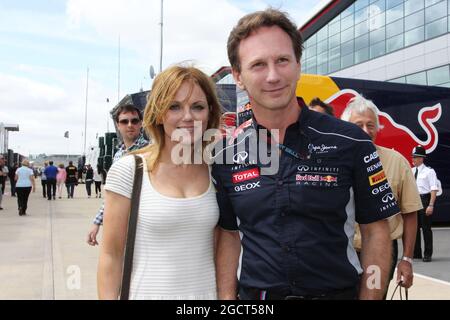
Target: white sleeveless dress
(174,249)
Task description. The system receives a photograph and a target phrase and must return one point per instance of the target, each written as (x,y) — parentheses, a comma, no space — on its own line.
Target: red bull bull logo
(393,135)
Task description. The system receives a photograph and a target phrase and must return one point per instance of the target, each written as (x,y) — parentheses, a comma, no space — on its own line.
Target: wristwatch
(408,260)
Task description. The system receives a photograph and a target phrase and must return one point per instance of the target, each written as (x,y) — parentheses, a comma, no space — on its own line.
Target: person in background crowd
(128,120)
(98,179)
(318,105)
(44,180)
(3,176)
(89,179)
(24,185)
(61,179)
(51,172)
(365,115)
(427,185)
(12,178)
(71,179)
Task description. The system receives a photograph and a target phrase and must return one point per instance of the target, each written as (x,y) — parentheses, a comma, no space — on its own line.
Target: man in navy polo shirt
(296,220)
(51,172)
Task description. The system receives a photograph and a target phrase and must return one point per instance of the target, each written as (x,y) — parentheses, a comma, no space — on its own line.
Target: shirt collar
(301,121)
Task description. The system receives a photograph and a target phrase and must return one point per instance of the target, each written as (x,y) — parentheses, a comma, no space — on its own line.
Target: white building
(403,41)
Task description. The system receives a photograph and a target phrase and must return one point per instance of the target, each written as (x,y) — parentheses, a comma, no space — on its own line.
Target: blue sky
(47,45)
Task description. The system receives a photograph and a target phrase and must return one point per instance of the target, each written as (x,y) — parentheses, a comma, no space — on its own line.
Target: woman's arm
(33,182)
(115,224)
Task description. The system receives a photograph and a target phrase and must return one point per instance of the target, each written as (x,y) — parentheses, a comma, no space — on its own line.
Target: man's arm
(376,256)
(227,261)
(404,268)
(429,210)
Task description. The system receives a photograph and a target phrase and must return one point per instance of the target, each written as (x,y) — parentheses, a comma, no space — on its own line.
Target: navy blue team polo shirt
(297,225)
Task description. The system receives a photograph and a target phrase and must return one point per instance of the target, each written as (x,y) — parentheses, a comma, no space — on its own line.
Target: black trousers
(51,188)
(44,188)
(98,187)
(70,189)
(88,187)
(13,186)
(22,197)
(424,223)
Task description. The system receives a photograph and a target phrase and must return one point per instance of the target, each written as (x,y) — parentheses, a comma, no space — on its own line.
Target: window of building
(347,35)
(322,47)
(362,28)
(415,20)
(394,13)
(347,61)
(362,42)
(334,28)
(399,80)
(431,2)
(377,35)
(347,47)
(348,11)
(377,7)
(392,3)
(414,36)
(394,28)
(377,49)
(347,22)
(394,43)
(322,69)
(334,65)
(438,76)
(436,28)
(361,55)
(322,34)
(361,4)
(334,53)
(334,41)
(417,78)
(436,11)
(361,15)
(413,6)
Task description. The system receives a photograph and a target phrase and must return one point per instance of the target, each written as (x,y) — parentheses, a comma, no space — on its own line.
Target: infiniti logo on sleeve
(388,197)
(240,157)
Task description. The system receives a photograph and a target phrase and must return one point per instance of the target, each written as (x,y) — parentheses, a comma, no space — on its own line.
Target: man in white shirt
(428,186)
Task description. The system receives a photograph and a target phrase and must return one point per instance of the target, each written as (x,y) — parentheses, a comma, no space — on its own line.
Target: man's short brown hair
(127,108)
(252,22)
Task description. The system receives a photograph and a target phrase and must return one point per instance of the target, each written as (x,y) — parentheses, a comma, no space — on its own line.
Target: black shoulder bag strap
(131,232)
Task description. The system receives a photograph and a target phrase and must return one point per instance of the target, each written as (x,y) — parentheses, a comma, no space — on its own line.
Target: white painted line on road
(432,279)
(437,229)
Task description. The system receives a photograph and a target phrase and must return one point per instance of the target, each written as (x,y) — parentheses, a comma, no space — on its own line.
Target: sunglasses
(133,121)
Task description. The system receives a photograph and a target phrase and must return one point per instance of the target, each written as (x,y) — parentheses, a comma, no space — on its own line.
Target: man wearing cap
(427,184)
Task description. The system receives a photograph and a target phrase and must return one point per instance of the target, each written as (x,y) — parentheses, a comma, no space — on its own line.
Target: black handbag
(131,231)
(398,286)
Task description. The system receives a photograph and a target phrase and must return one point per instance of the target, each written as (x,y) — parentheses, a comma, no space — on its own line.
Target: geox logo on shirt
(248,186)
(377,178)
(246,175)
